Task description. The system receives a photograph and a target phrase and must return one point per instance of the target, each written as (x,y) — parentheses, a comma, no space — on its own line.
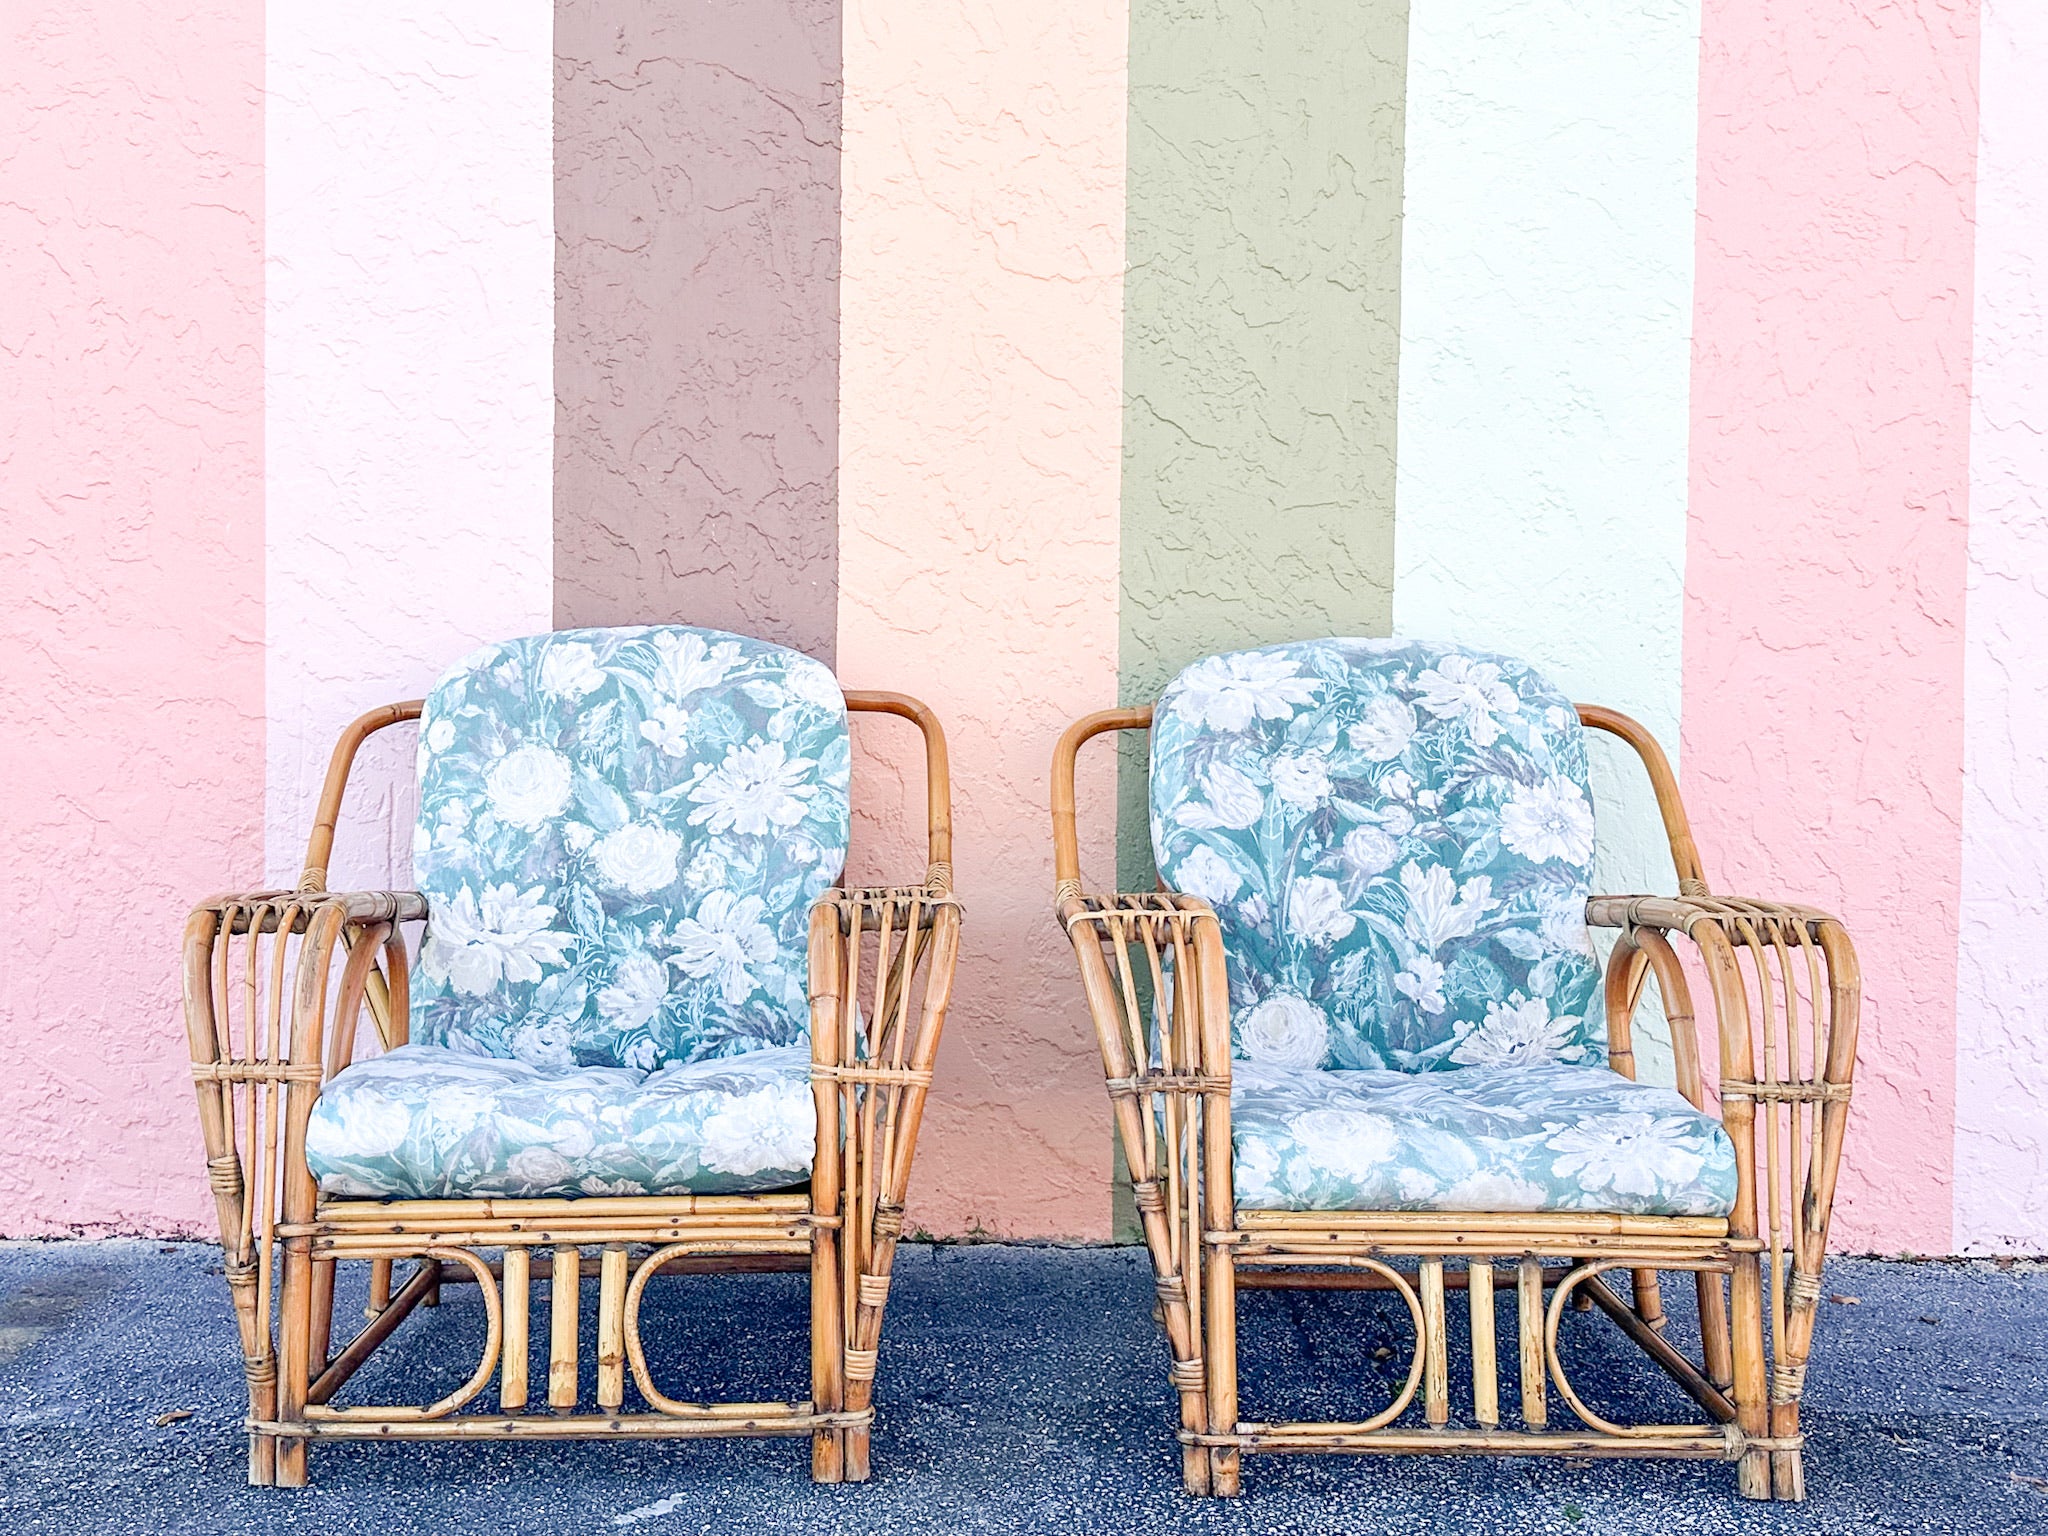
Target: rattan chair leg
(1752,1411)
(295,1348)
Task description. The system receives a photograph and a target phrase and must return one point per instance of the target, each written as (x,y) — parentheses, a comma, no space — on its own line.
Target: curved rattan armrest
(267,908)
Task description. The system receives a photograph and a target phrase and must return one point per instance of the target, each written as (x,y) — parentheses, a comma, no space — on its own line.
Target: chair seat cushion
(1533,1138)
(425,1122)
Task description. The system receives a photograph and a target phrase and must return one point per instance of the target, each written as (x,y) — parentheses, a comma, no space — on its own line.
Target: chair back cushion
(1398,840)
(621,833)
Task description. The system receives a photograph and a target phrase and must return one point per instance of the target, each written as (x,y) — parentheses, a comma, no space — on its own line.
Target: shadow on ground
(1022,1389)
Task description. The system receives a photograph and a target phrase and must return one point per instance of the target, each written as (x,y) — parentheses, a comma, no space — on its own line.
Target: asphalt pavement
(1022,1389)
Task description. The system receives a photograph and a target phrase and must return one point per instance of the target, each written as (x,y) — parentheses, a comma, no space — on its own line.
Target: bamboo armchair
(1784,988)
(278,986)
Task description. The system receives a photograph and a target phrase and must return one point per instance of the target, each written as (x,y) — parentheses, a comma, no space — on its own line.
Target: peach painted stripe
(131,582)
(980,421)
(2002,997)
(410,394)
(1823,706)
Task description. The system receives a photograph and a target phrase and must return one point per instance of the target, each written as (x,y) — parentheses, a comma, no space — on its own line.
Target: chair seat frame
(278,986)
(1785,990)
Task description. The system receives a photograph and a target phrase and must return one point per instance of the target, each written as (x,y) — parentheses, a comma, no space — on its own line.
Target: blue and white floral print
(621,833)
(1397,838)
(1525,1138)
(426,1123)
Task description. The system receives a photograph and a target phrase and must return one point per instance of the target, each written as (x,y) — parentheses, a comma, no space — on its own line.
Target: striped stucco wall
(1014,357)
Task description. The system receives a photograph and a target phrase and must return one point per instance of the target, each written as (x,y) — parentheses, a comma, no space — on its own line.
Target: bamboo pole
(512,1379)
(611,1326)
(1529,1330)
(564,1291)
(1485,1367)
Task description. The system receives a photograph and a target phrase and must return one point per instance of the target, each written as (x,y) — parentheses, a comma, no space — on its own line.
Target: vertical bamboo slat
(518,1290)
(564,1288)
(1485,1368)
(1529,1329)
(1436,1374)
(611,1326)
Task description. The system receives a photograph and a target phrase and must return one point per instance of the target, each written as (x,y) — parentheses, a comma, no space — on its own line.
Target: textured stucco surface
(1547,274)
(1826,553)
(697,315)
(1261,336)
(981,336)
(2001,1193)
(131,571)
(409,415)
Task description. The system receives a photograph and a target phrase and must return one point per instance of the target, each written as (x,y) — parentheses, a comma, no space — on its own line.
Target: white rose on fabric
(1564,925)
(1354,1145)
(706,870)
(688,663)
(1384,731)
(639,988)
(639,858)
(358,1124)
(1397,820)
(1227,693)
(1517,1033)
(758,788)
(528,786)
(1286,1030)
(536,1168)
(1315,909)
(473,944)
(591,1184)
(1229,798)
(1632,1153)
(1551,820)
(579,836)
(1207,874)
(570,670)
(668,727)
(769,1130)
(1302,779)
(1438,909)
(1492,1190)
(1369,852)
(725,941)
(551,1044)
(1398,786)
(1459,688)
(1423,980)
(811,682)
(440,735)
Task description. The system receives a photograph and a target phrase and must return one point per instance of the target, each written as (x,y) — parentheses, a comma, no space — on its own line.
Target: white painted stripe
(1546,318)
(2001,1167)
(409,399)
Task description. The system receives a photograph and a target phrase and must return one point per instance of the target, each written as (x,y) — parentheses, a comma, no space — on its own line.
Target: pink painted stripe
(1823,706)
(131,582)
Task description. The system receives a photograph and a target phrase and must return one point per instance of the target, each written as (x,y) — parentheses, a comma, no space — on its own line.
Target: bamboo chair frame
(1785,990)
(276,988)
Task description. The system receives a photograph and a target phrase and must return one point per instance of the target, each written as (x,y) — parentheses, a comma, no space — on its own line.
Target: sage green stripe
(1261,337)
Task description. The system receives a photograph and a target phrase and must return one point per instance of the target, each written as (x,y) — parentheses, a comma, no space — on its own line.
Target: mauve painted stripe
(131,582)
(1826,553)
(2002,996)
(410,259)
(697,315)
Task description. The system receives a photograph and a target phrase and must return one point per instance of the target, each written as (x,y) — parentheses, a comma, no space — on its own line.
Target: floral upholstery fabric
(1397,838)
(1526,1138)
(425,1122)
(621,833)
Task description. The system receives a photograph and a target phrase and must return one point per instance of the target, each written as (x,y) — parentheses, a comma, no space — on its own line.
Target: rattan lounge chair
(1360,1039)
(633,1033)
